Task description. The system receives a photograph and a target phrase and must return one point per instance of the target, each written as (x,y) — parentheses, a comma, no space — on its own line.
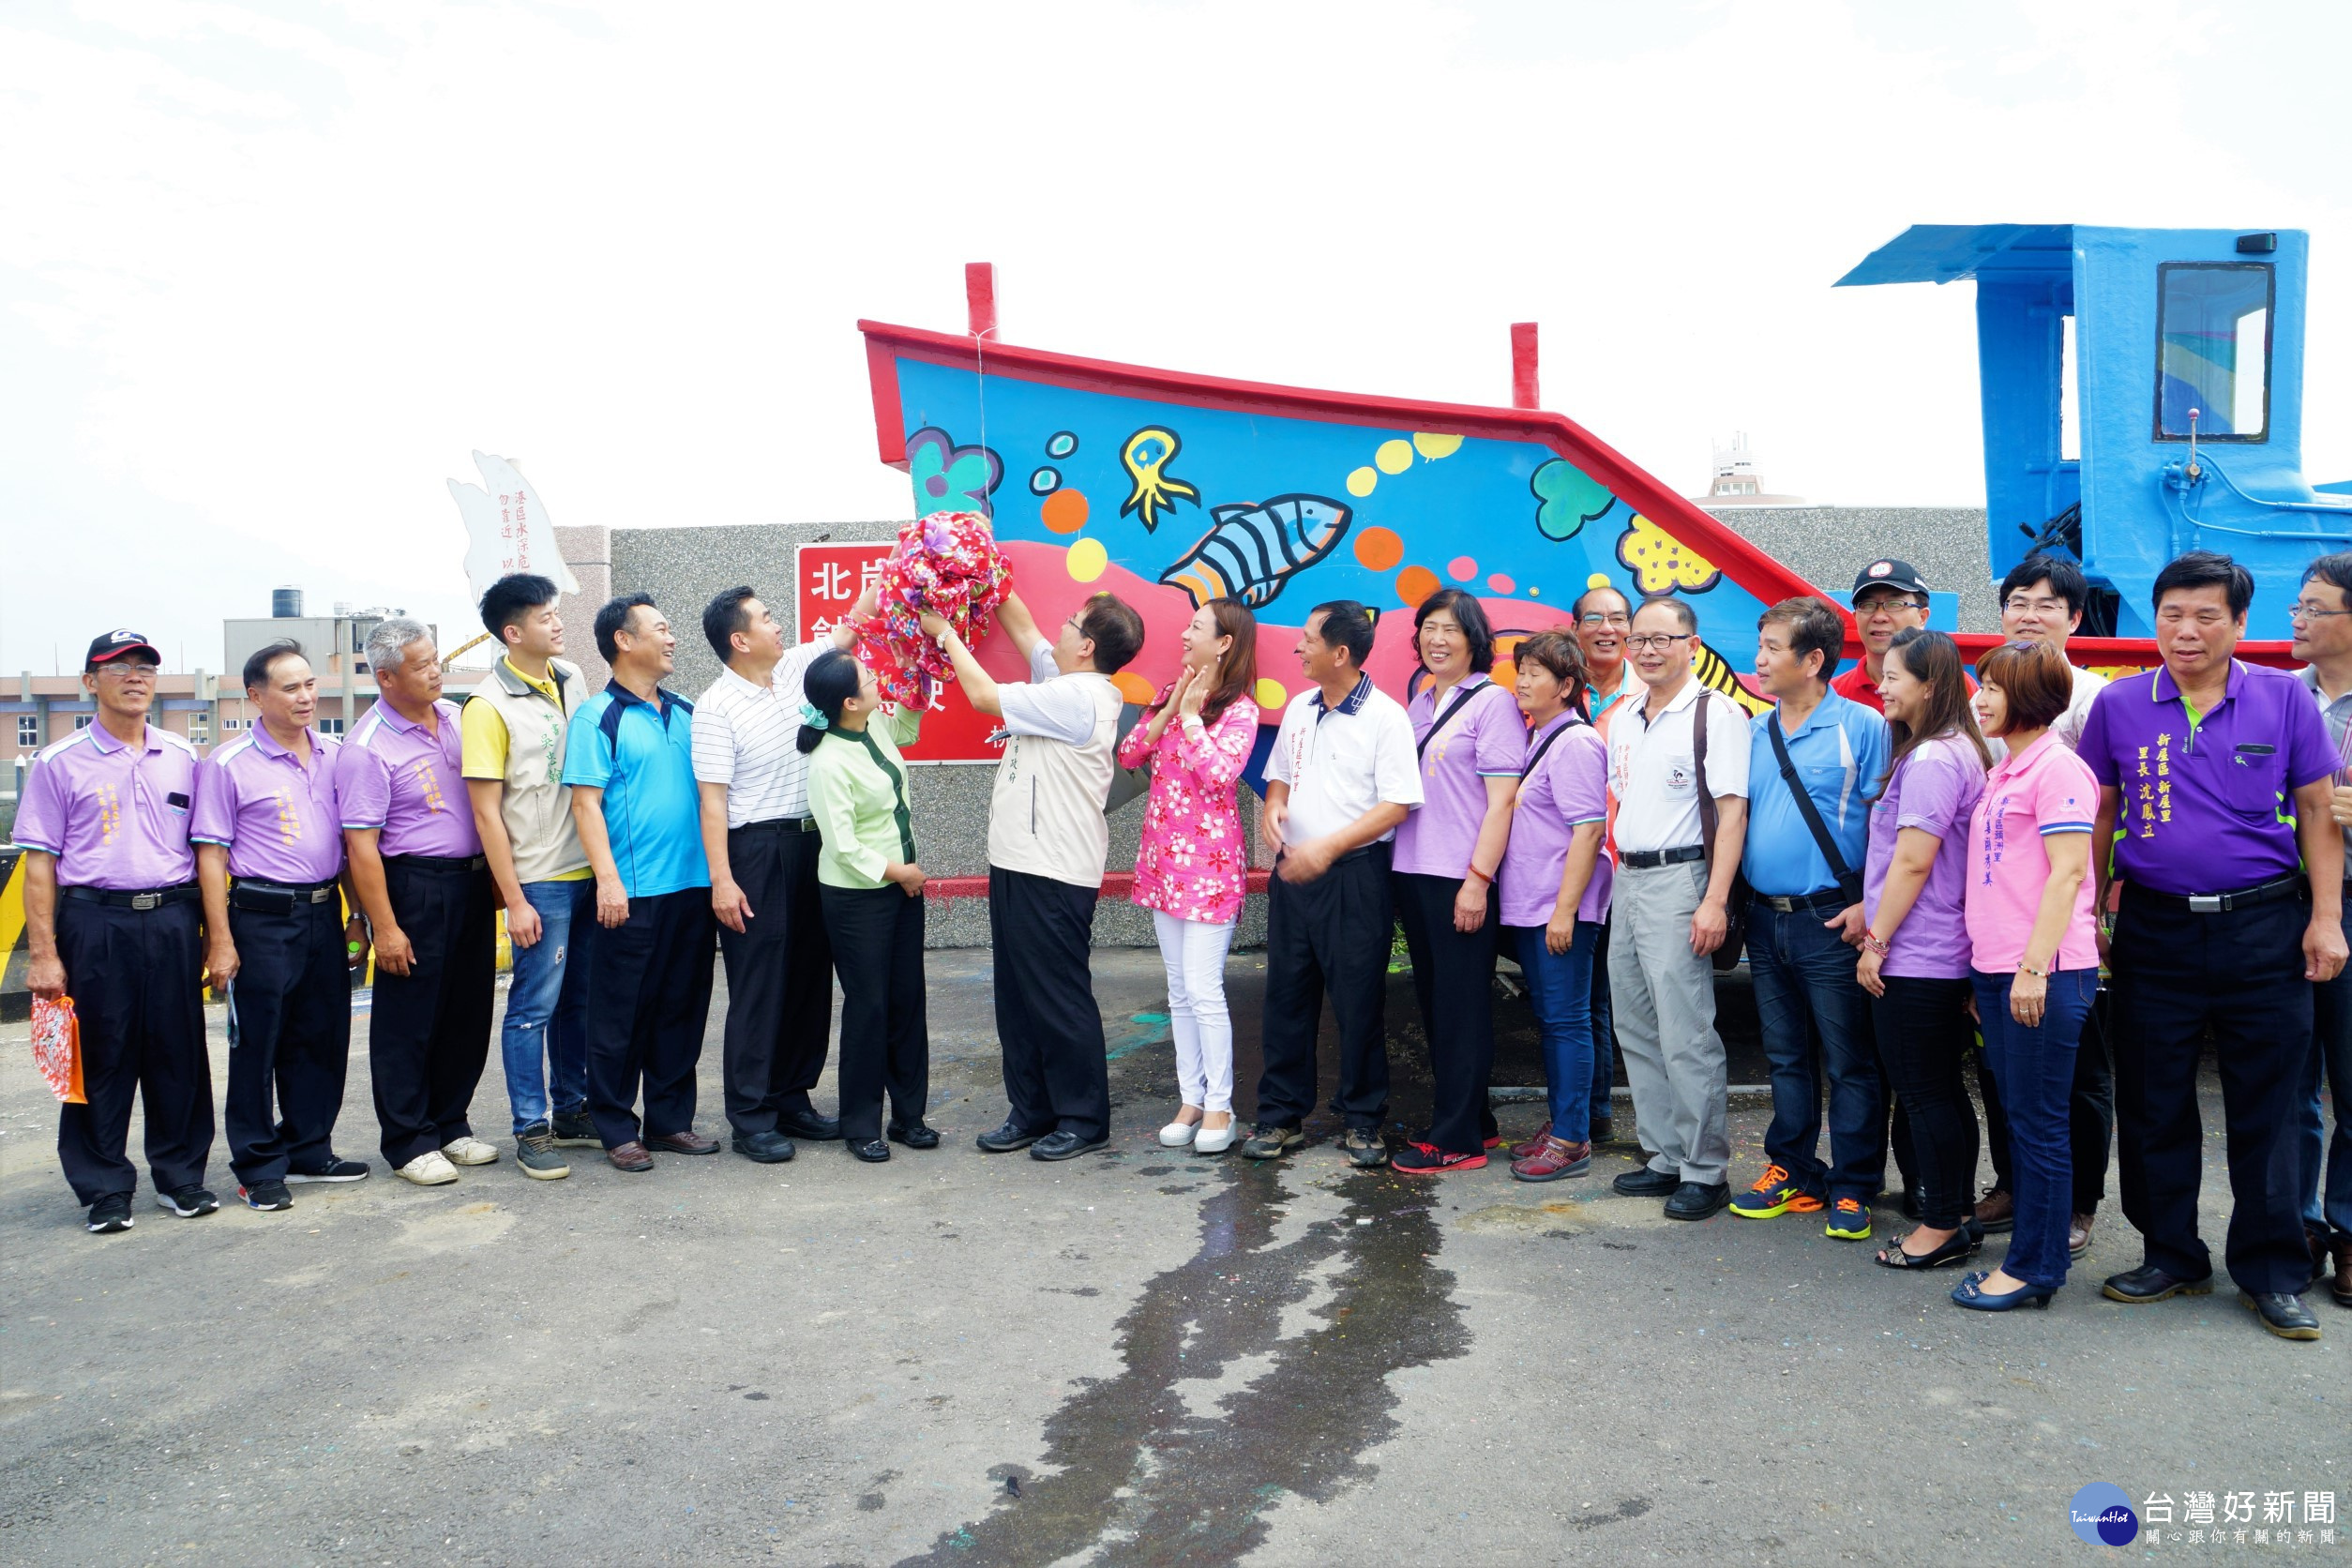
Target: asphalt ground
(1138,1357)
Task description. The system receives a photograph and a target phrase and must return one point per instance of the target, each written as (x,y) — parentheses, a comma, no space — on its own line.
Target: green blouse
(857,793)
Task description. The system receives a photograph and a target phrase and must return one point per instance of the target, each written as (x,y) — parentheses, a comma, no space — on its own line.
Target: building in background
(1736,482)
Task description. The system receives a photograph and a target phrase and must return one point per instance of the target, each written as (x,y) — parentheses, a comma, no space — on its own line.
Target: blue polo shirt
(1840,752)
(2206,807)
(640,754)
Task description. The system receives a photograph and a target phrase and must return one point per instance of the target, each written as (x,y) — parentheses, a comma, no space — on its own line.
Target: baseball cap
(1900,575)
(112,645)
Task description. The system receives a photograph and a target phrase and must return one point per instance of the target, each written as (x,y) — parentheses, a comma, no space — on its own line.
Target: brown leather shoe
(2340,1287)
(686,1142)
(2079,1236)
(1996,1211)
(630,1157)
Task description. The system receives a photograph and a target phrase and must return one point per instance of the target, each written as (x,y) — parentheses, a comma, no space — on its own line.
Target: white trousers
(1193,952)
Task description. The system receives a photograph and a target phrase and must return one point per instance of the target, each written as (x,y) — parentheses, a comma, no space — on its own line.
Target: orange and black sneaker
(1849,1220)
(1427,1159)
(1774,1194)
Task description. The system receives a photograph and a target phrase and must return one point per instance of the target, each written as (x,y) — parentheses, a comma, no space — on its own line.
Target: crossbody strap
(1462,701)
(1545,745)
(1849,886)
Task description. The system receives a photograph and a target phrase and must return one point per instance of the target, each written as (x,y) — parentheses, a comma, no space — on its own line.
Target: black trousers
(136,977)
(293,1040)
(2241,974)
(1924,1034)
(2089,1110)
(877,937)
(1454,980)
(1330,935)
(1048,1023)
(779,977)
(649,999)
(430,1029)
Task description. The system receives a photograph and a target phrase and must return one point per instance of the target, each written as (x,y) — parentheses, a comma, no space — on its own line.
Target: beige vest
(537,804)
(1045,817)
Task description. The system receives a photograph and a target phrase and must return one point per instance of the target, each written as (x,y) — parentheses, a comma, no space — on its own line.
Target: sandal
(1961,1247)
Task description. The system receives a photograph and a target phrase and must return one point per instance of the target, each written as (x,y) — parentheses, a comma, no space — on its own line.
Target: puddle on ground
(1176,1459)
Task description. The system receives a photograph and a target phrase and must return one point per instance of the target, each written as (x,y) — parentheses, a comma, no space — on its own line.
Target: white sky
(271,271)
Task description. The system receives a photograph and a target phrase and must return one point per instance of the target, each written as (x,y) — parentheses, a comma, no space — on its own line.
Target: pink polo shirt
(276,816)
(1487,739)
(407,780)
(115,816)
(2046,789)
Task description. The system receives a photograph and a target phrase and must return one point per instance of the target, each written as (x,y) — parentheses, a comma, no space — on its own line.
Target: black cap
(112,645)
(1884,573)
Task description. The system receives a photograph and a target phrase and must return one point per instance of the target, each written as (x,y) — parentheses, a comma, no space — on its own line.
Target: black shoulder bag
(1735,930)
(1849,882)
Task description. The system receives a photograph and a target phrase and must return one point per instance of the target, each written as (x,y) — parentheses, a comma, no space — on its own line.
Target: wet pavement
(1141,1357)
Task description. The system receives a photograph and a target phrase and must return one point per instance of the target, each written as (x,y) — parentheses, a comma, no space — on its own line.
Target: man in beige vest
(1047,844)
(513,760)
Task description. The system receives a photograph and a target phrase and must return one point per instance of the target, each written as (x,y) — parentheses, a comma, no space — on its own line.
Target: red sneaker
(1427,1159)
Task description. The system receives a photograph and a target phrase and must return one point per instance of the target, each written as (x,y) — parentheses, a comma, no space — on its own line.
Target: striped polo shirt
(744,737)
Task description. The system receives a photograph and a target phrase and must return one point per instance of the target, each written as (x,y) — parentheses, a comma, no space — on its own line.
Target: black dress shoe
(808,1127)
(1065,1146)
(2149,1283)
(873,1151)
(920,1136)
(766,1148)
(1699,1199)
(2283,1314)
(1004,1139)
(1647,1183)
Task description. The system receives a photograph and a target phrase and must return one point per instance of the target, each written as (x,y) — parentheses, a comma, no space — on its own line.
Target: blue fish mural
(1252,550)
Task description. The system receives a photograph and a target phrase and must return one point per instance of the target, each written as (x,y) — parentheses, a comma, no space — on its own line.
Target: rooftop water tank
(285,604)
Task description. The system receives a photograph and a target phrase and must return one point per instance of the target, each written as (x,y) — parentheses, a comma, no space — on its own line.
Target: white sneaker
(469,1151)
(1177,1134)
(429,1169)
(1216,1140)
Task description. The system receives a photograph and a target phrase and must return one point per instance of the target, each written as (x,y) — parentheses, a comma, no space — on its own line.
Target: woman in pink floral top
(1192,867)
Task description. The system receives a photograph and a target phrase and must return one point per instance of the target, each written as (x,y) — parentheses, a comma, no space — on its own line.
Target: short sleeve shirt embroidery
(279,817)
(115,816)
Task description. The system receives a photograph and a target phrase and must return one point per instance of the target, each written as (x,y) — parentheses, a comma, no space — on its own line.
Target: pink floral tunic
(1194,863)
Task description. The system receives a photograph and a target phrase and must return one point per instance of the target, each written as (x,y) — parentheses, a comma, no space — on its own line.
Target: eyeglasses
(1886,604)
(125,670)
(1661,641)
(1595,622)
(2301,612)
(2023,605)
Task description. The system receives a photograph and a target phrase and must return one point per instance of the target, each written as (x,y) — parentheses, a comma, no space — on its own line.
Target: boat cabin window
(2214,351)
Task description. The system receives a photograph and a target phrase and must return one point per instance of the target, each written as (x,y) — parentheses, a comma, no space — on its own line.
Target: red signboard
(827,581)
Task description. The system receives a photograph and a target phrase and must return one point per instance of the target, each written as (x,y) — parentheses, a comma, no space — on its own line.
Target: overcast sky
(271,271)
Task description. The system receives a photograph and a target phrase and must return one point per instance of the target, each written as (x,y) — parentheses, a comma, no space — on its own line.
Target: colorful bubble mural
(1223,490)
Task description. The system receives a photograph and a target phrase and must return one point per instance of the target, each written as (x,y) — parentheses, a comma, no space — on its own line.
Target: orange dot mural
(1134,688)
(1416,583)
(1065,511)
(1379,549)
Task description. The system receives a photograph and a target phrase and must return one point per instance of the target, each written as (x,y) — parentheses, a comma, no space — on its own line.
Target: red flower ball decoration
(947,563)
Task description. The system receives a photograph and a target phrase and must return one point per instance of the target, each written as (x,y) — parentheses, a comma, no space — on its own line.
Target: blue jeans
(1805,991)
(2328,1204)
(1560,985)
(2035,1070)
(546,1035)
(1604,1037)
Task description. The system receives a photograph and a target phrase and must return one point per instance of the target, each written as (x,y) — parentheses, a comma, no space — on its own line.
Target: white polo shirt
(2087,686)
(1341,763)
(1651,767)
(746,735)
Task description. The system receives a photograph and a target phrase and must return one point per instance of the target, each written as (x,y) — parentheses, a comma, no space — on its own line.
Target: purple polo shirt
(406,779)
(1487,739)
(1567,788)
(278,818)
(1936,790)
(2207,810)
(115,816)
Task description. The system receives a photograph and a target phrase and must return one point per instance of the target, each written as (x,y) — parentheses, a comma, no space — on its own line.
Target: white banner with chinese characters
(507,528)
